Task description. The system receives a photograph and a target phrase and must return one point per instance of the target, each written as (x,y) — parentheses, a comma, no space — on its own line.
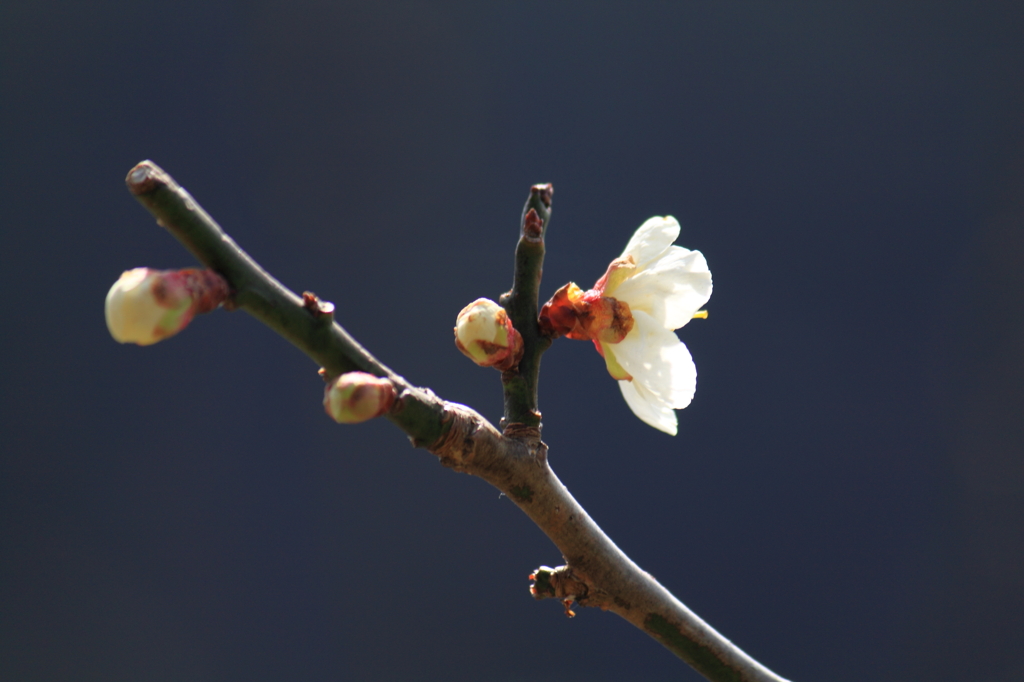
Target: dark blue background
(845,499)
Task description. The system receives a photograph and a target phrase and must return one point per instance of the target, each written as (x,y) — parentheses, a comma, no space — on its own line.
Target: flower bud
(142,308)
(484,333)
(145,305)
(356,397)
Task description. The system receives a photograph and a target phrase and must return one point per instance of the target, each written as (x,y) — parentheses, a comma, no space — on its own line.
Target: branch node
(558,583)
(322,311)
(209,289)
(527,434)
(457,447)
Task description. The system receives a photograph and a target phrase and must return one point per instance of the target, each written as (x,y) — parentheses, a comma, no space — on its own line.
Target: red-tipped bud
(145,306)
(484,333)
(356,397)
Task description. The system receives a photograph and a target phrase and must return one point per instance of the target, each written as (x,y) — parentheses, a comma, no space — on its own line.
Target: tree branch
(597,573)
(520,383)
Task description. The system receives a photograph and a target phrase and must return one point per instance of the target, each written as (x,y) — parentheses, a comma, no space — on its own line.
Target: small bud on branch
(484,333)
(145,305)
(356,397)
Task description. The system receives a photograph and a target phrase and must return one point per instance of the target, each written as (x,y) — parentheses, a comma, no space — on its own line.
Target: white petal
(651,239)
(671,289)
(649,408)
(658,361)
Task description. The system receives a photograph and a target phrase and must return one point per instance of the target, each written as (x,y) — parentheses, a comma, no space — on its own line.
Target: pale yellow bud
(484,333)
(356,397)
(145,306)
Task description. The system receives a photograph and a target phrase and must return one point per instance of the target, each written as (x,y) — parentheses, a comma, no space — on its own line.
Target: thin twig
(597,573)
(520,383)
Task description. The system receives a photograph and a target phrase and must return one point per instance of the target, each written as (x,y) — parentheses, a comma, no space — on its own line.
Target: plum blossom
(649,291)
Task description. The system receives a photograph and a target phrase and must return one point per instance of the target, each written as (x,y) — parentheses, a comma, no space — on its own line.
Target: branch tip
(544,190)
(145,177)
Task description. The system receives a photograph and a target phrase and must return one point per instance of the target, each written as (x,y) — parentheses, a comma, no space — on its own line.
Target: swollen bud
(356,397)
(145,306)
(484,333)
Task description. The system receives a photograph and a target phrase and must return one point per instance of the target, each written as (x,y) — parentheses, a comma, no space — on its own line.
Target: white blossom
(664,286)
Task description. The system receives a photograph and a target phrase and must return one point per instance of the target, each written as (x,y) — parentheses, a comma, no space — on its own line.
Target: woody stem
(521,303)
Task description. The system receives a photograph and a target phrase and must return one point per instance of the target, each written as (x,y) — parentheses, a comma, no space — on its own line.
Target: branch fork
(514,459)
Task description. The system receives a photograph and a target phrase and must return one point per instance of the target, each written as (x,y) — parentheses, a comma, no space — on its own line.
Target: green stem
(309,327)
(521,303)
